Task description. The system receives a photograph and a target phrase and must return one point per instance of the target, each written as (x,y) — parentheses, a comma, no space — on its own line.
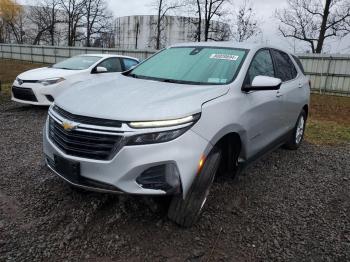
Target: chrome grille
(84,144)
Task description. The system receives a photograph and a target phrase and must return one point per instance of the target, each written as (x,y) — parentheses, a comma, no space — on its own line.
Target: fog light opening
(163,177)
(50,98)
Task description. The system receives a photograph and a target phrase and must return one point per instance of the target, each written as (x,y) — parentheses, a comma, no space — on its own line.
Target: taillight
(310,84)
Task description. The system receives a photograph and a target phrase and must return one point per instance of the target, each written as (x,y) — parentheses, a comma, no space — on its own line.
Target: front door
(263,121)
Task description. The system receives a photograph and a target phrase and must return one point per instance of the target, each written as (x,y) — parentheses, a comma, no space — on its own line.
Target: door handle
(300,85)
(279,94)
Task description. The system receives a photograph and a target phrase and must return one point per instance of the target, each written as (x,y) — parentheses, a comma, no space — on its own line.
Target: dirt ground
(289,206)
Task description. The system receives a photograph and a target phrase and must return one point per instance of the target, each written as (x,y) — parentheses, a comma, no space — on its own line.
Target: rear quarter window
(129,63)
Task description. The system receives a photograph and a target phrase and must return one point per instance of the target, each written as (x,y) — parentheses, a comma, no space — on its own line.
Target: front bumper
(40,95)
(121,173)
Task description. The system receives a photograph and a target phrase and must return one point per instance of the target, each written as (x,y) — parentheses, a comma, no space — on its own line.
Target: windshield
(192,65)
(77,62)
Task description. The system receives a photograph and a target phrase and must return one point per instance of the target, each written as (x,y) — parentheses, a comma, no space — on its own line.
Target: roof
(109,55)
(230,44)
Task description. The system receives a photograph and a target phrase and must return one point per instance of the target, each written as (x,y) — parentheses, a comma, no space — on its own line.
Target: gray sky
(264,10)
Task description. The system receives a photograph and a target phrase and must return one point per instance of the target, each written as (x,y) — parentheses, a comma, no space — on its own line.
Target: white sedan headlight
(51,81)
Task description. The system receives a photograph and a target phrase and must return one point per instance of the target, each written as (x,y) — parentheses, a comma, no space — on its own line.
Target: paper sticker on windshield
(224,57)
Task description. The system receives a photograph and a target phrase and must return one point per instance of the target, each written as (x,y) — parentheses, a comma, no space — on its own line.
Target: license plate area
(67,168)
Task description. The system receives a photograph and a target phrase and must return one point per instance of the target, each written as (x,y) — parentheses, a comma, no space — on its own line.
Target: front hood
(128,99)
(45,72)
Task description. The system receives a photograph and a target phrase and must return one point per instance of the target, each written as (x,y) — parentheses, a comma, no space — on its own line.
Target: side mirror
(100,69)
(261,83)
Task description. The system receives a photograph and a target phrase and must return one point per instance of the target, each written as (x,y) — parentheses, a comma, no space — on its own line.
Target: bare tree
(75,12)
(97,19)
(199,26)
(313,21)
(207,11)
(12,20)
(44,15)
(163,8)
(246,23)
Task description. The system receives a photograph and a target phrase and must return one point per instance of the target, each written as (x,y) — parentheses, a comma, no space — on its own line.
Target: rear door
(290,94)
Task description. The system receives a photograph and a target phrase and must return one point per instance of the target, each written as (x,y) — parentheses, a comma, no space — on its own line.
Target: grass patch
(327,132)
(9,70)
(5,93)
(329,121)
(12,68)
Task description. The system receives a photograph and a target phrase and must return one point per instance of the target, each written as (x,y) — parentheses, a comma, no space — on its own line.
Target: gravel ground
(289,206)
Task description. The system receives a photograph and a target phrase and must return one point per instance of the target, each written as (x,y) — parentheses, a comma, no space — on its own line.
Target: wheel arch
(306,109)
(229,144)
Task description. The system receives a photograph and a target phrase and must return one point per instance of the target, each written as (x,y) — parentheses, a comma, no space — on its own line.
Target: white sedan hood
(45,73)
(127,99)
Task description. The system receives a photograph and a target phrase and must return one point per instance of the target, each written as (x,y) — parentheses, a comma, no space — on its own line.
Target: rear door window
(285,69)
(262,65)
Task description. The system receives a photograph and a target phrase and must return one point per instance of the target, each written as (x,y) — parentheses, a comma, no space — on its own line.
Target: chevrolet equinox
(167,126)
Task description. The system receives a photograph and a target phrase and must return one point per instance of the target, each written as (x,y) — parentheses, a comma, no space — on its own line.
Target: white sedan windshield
(77,62)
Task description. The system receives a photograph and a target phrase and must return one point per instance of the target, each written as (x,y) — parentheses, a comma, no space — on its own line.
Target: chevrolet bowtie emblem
(69,126)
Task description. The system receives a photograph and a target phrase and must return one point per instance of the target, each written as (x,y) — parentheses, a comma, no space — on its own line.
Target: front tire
(185,212)
(298,132)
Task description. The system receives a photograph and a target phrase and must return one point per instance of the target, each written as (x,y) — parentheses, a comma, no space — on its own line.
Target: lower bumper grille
(82,144)
(82,181)
(25,94)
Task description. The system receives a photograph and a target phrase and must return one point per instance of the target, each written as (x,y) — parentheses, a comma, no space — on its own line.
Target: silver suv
(169,125)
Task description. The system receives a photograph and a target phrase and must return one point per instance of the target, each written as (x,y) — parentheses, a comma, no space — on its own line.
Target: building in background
(33,26)
(140,32)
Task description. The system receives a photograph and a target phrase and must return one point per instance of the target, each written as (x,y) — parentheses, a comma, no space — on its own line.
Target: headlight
(184,124)
(165,123)
(51,81)
(159,137)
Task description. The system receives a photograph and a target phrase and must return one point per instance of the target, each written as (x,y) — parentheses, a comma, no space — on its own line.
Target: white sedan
(42,85)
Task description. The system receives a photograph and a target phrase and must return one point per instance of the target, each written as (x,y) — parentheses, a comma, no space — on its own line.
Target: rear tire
(185,212)
(298,132)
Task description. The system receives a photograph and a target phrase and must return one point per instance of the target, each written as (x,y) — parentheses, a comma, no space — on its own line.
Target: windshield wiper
(172,81)
(167,80)
(133,75)
(65,68)
(181,81)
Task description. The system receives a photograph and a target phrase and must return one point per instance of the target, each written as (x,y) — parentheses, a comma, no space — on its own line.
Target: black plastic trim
(87,119)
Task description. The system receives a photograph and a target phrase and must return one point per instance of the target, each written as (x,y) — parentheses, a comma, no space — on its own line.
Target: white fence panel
(53,54)
(328,73)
